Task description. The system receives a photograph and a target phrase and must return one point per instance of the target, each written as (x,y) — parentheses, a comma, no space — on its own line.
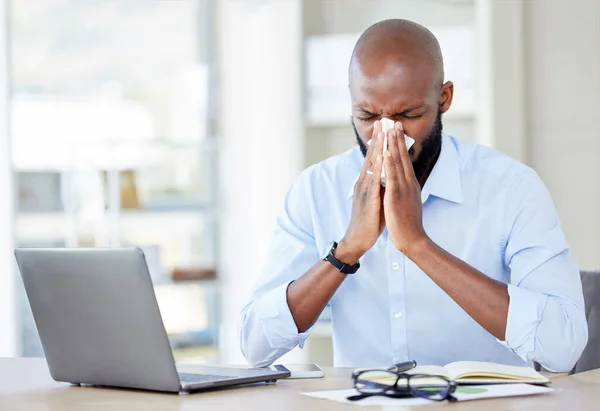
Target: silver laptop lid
(97,316)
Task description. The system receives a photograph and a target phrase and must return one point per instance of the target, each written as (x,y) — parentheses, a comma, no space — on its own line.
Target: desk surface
(25,384)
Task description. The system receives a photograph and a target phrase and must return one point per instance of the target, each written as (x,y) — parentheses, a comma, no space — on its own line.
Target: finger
(374,140)
(407,165)
(375,184)
(391,170)
(367,173)
(371,148)
(395,160)
(377,145)
(376,128)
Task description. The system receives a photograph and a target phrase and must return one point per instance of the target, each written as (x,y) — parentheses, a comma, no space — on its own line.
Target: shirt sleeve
(267,329)
(546,314)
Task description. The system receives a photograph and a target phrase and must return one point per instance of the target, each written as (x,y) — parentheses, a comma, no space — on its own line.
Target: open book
(477,372)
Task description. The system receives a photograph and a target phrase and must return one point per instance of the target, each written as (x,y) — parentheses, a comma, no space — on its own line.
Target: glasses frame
(404,390)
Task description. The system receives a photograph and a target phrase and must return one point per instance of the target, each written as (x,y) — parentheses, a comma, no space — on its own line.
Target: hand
(367,221)
(402,199)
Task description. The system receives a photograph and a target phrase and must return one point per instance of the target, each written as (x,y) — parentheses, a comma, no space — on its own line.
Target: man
(462,256)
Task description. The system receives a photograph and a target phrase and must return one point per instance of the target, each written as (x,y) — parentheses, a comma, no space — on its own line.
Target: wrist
(346,253)
(422,246)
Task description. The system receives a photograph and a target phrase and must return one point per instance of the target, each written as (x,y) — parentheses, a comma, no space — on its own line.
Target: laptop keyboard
(187,378)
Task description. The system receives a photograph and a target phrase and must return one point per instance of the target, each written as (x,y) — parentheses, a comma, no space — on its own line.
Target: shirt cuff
(525,311)
(277,321)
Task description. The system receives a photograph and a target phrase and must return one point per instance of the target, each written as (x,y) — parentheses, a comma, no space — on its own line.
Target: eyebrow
(365,111)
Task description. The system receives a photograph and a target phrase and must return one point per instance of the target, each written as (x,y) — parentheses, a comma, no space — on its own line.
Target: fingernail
(387,153)
(399,125)
(378,157)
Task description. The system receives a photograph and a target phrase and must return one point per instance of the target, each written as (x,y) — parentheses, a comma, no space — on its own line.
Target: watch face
(328,250)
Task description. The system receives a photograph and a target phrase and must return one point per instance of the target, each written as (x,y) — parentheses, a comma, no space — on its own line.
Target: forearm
(309,294)
(484,299)
(279,320)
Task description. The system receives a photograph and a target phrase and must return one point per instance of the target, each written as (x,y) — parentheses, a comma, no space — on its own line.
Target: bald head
(397,43)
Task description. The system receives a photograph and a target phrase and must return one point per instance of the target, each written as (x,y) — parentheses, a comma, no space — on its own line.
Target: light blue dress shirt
(478,204)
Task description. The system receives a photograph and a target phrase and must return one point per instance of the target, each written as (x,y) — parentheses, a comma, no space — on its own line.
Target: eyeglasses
(401,385)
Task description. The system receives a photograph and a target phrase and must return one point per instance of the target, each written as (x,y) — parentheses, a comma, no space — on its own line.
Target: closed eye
(412,117)
(366,118)
(364,115)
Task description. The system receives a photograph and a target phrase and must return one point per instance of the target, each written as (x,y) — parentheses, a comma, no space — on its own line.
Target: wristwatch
(342,267)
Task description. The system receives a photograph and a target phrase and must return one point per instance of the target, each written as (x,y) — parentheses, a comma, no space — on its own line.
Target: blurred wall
(562,40)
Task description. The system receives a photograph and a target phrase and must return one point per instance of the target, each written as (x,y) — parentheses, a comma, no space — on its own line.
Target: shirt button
(395,265)
(397,314)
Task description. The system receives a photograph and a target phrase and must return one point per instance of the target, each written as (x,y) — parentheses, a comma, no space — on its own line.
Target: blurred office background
(178,125)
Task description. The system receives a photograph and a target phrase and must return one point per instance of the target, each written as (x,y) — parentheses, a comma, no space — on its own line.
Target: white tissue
(386,125)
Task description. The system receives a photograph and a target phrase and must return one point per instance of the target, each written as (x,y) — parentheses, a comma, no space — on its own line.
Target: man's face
(430,149)
(406,95)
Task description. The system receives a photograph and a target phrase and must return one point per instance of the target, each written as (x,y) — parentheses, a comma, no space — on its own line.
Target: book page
(483,370)
(430,370)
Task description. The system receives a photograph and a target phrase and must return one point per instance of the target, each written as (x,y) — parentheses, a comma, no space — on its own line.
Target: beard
(430,151)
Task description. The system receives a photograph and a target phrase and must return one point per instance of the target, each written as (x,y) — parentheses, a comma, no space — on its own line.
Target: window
(111,136)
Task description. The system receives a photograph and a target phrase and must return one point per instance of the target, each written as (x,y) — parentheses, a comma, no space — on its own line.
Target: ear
(446,96)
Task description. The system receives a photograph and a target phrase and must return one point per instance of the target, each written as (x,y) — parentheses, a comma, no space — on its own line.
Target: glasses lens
(430,386)
(373,382)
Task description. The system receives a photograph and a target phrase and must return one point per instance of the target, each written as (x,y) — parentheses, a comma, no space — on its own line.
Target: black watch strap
(341,266)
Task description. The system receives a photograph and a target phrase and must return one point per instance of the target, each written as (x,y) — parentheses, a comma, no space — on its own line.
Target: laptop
(99,323)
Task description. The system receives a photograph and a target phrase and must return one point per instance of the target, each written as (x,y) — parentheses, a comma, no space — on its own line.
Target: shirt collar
(445,178)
